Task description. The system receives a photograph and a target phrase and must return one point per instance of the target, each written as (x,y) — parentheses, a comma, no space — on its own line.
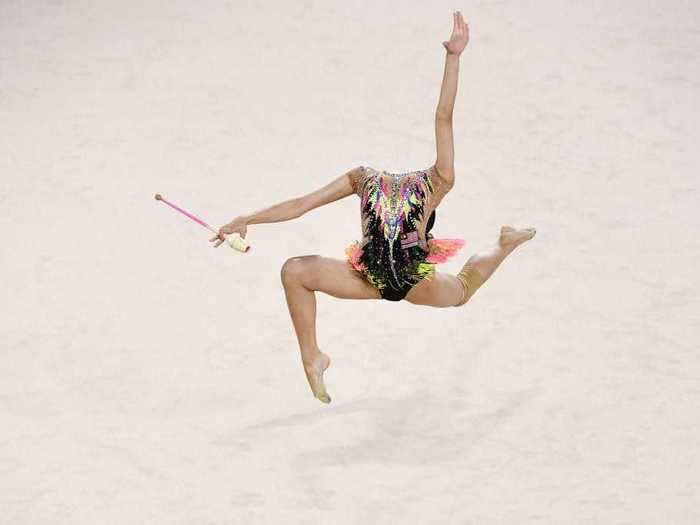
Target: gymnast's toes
(314,374)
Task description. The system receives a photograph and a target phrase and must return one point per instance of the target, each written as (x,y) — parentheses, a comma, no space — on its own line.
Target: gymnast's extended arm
(444,139)
(336,189)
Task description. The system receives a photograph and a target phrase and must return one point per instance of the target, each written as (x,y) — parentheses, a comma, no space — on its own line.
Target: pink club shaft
(185,212)
(237,243)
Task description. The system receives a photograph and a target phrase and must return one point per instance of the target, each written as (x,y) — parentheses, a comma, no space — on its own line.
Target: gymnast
(397,256)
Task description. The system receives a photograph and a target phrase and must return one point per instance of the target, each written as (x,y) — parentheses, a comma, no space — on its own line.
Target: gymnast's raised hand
(460,35)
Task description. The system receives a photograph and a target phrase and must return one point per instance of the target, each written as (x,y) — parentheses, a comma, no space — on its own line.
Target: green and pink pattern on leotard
(392,205)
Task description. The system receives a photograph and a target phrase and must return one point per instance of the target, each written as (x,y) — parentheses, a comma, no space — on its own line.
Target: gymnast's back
(399,205)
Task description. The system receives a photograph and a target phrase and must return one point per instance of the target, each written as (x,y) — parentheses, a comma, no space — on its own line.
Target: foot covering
(314,374)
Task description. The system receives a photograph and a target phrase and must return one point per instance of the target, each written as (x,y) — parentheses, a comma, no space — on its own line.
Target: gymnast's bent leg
(302,277)
(480,267)
(443,290)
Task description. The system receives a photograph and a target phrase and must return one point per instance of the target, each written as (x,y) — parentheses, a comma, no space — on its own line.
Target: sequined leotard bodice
(397,213)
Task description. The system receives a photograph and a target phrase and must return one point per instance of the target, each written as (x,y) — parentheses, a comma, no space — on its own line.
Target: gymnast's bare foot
(511,238)
(314,374)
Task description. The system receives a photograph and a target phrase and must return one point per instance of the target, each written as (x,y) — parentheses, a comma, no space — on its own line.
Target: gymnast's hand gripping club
(237,243)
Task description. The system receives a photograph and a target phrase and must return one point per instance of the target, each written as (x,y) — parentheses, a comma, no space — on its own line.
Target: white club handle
(237,243)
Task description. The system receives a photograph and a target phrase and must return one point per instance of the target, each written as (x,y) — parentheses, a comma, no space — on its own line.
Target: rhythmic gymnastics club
(237,243)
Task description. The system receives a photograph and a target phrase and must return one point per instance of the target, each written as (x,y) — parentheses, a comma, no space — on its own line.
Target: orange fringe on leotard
(440,250)
(353,253)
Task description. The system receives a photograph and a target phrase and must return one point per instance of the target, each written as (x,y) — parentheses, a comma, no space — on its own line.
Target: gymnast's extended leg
(302,277)
(443,289)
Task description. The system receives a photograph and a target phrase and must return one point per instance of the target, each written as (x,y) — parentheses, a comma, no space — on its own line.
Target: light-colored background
(147,378)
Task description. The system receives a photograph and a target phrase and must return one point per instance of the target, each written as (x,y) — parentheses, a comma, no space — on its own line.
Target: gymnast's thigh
(330,275)
(440,290)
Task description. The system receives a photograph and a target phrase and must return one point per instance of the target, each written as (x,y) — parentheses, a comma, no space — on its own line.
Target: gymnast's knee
(292,270)
(471,280)
(300,268)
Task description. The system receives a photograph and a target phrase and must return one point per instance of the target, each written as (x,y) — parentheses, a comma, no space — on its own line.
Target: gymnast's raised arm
(444,164)
(338,188)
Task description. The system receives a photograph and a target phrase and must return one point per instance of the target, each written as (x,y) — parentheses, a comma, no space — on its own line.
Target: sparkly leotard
(397,212)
